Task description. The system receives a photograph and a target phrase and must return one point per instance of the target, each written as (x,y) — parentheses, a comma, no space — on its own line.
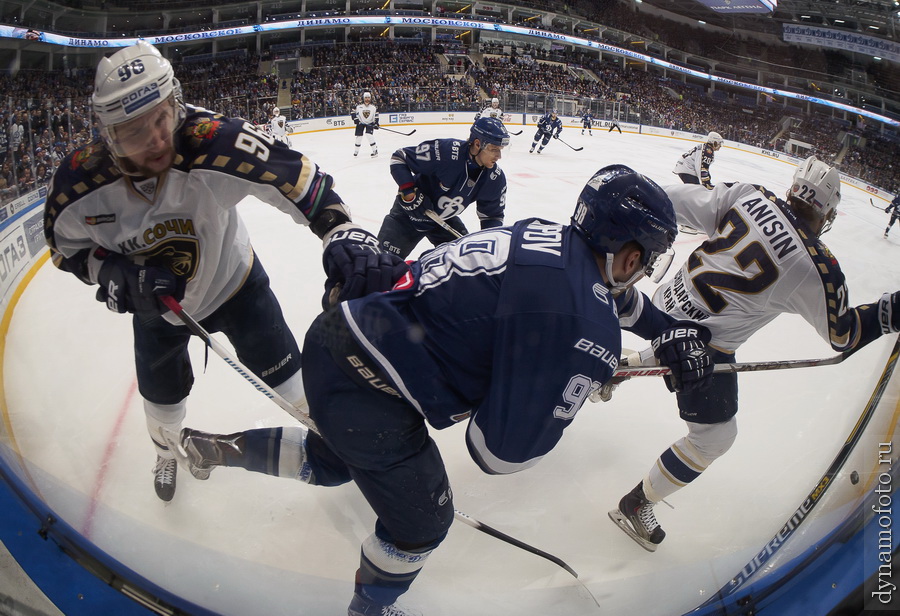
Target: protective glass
(658,264)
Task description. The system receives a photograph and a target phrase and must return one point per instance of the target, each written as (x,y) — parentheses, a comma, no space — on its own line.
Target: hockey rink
(244,543)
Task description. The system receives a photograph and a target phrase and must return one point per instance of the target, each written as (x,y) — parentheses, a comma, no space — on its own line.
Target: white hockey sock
(292,390)
(292,460)
(688,457)
(164,419)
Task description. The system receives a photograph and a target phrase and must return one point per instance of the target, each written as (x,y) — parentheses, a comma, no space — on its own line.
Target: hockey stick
(578,149)
(397,131)
(753,366)
(815,496)
(302,415)
(516,134)
(873,204)
(442,223)
(297,413)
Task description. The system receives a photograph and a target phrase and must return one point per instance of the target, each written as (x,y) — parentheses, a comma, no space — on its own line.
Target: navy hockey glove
(556,135)
(412,199)
(355,266)
(682,349)
(128,287)
(889,312)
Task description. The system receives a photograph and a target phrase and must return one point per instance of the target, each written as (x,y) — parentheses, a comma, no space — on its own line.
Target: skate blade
(622,522)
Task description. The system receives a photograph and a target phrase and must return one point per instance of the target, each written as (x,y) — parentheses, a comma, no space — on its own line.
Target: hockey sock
(162,417)
(273,451)
(386,571)
(292,389)
(688,457)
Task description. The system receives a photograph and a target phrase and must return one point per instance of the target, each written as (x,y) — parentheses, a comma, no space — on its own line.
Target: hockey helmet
(489,130)
(553,112)
(819,187)
(276,111)
(495,102)
(619,205)
(130,84)
(715,139)
(367,95)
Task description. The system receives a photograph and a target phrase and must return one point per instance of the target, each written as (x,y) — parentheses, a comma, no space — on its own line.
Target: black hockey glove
(887,209)
(128,287)
(355,266)
(682,349)
(413,199)
(556,135)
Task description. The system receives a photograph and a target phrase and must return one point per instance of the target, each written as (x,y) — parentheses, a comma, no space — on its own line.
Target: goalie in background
(793,272)
(278,126)
(455,341)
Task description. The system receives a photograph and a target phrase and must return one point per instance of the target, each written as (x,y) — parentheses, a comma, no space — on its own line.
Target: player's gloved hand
(413,199)
(355,266)
(376,126)
(128,287)
(682,349)
(356,121)
(886,209)
(889,312)
(556,135)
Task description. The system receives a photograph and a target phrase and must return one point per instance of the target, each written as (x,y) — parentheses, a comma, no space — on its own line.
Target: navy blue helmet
(619,205)
(489,130)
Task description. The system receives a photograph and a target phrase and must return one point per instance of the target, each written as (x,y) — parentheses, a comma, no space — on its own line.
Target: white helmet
(495,101)
(276,111)
(819,186)
(715,139)
(129,84)
(367,95)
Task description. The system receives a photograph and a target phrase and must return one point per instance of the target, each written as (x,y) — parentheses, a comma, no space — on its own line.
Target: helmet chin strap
(617,288)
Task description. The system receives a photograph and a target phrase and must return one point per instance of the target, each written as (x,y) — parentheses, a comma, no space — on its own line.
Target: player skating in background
(693,166)
(614,125)
(587,122)
(457,340)
(150,210)
(548,126)
(278,126)
(763,258)
(365,116)
(445,176)
(894,207)
(491,111)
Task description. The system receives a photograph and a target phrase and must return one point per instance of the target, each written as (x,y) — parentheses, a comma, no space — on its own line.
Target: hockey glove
(682,349)
(128,287)
(556,135)
(889,312)
(413,199)
(355,266)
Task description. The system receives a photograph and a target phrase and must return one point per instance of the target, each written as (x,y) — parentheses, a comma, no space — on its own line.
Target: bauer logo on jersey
(99,220)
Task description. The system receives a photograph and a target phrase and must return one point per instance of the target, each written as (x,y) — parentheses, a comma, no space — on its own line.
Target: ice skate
(164,477)
(205,451)
(635,517)
(885,234)
(531,151)
(360,606)
(374,152)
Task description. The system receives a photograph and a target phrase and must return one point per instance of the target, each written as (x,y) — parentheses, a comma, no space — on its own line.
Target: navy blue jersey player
(445,176)
(150,210)
(538,302)
(548,126)
(587,122)
(894,208)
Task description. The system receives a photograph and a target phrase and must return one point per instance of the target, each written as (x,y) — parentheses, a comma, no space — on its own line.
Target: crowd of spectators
(48,113)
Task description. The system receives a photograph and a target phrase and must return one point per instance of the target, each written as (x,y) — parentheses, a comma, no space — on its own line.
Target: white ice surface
(244,543)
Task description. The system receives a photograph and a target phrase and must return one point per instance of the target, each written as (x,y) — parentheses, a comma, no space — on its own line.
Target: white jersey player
(763,258)
(278,126)
(150,210)
(491,111)
(365,116)
(693,166)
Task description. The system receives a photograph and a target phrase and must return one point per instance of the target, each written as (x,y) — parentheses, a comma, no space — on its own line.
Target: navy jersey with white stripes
(511,327)
(444,170)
